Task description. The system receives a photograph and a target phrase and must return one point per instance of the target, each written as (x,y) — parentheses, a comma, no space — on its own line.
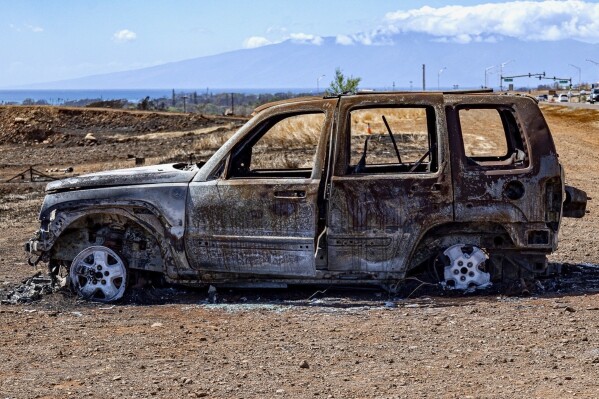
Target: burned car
(357,189)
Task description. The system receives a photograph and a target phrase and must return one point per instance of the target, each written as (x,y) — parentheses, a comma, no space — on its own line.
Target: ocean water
(56,97)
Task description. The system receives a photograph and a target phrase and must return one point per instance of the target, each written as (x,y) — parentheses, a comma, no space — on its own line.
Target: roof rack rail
(472,91)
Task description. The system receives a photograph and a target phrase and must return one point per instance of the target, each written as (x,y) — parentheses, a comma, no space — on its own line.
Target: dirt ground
(298,343)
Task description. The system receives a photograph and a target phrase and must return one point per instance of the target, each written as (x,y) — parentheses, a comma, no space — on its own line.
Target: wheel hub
(465,269)
(99,274)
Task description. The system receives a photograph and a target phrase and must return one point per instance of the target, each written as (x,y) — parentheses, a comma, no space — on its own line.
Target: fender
(57,218)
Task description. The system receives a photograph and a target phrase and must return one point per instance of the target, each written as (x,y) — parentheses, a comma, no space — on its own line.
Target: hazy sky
(59,39)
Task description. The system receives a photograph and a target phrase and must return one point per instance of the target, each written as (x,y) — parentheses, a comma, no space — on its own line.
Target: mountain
(295,65)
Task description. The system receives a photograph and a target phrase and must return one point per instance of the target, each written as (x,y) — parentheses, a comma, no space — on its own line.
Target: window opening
(492,137)
(392,140)
(282,146)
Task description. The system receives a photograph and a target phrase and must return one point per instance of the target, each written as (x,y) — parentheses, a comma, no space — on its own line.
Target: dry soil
(172,343)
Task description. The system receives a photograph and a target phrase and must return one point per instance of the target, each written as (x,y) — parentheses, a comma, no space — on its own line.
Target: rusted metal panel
(156,174)
(482,190)
(239,227)
(259,225)
(375,220)
(575,203)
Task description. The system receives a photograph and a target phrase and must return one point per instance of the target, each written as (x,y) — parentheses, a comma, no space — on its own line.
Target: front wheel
(98,274)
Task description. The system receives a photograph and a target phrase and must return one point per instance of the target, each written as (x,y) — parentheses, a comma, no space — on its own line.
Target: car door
(380,205)
(260,215)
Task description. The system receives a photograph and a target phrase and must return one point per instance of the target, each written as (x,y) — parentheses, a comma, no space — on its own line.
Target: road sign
(564,81)
(508,79)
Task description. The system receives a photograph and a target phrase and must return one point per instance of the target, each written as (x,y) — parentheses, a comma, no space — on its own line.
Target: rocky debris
(56,125)
(90,137)
(304,365)
(31,289)
(70,169)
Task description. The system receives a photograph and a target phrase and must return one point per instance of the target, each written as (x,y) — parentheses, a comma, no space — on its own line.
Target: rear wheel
(98,274)
(464,267)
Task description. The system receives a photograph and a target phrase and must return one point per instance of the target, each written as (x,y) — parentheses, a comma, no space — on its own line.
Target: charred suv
(359,189)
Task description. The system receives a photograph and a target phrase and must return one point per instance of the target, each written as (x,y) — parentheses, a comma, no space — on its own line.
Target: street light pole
(501,73)
(439,78)
(486,72)
(318,83)
(594,62)
(579,72)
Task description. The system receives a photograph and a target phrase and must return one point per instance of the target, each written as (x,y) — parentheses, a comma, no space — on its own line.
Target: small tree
(343,85)
(144,104)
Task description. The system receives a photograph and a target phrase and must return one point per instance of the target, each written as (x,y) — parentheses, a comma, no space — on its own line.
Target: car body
(563,98)
(593,95)
(357,189)
(542,97)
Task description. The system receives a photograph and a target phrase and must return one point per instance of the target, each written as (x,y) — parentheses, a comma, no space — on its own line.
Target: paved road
(574,105)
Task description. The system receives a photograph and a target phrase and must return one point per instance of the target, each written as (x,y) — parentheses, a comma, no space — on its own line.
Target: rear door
(391,180)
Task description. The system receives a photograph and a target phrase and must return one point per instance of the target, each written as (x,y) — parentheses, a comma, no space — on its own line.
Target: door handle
(290,194)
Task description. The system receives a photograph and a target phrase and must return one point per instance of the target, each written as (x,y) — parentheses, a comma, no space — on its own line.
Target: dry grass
(401,120)
(290,144)
(409,129)
(175,134)
(483,132)
(202,148)
(295,132)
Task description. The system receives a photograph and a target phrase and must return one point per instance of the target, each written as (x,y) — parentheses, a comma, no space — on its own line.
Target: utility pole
(423,77)
(184,105)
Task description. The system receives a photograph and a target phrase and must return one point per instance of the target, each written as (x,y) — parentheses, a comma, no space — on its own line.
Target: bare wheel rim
(466,267)
(98,274)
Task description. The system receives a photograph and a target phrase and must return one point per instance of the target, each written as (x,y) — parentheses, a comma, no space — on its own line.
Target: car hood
(157,174)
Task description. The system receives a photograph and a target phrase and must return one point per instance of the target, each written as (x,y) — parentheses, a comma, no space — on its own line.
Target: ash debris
(31,289)
(582,278)
(574,279)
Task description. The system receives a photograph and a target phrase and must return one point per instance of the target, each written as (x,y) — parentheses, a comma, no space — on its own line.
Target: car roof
(477,92)
(288,101)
